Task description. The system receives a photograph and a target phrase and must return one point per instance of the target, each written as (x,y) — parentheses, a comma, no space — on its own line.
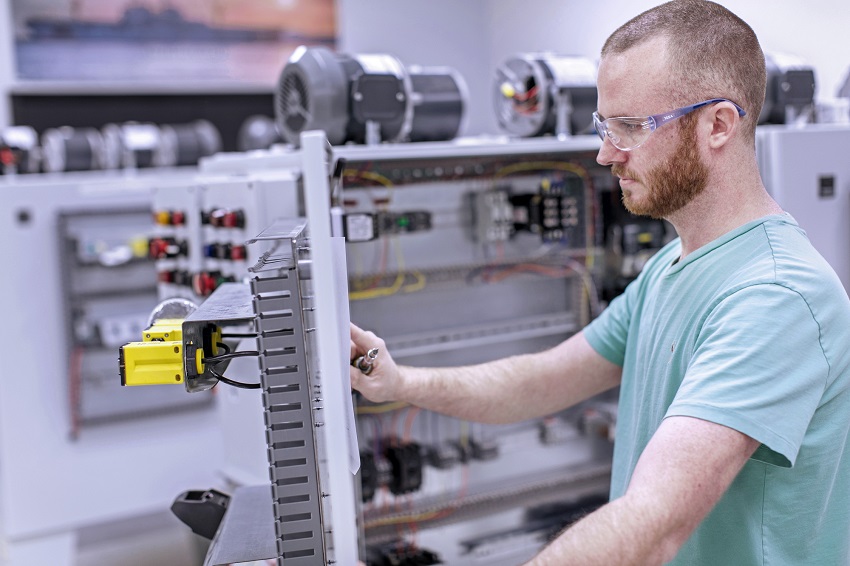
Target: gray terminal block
(289,402)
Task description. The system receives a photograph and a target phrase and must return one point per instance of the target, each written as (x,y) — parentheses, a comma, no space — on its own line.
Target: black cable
(229,356)
(232,382)
(212,361)
(238,335)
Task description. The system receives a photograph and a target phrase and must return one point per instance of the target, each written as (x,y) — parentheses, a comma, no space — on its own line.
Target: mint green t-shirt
(751,331)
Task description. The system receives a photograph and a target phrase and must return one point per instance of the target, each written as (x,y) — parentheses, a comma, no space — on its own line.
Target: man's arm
(682,473)
(506,390)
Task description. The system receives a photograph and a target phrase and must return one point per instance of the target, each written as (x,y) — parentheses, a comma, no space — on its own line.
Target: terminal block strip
(289,397)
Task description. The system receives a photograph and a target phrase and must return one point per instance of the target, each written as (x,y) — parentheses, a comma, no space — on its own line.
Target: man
(731,347)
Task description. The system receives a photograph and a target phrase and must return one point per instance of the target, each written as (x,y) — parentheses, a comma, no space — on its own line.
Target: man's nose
(608,154)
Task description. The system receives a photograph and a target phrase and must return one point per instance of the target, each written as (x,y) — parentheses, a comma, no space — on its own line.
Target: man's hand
(383,382)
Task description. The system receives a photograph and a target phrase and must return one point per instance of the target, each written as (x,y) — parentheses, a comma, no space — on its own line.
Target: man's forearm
(482,393)
(515,388)
(506,390)
(618,533)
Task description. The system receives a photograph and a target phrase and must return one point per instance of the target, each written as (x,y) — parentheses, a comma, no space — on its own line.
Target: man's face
(672,183)
(667,172)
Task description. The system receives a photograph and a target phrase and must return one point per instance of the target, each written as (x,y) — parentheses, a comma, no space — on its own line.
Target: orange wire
(393,439)
(408,423)
(464,485)
(382,266)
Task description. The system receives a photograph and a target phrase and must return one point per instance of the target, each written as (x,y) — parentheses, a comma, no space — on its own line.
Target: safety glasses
(629,132)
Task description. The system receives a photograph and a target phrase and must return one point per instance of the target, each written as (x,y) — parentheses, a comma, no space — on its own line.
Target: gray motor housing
(72,149)
(347,95)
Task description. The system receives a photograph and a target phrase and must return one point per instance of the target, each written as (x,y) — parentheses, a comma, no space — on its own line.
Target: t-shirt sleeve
(608,333)
(759,368)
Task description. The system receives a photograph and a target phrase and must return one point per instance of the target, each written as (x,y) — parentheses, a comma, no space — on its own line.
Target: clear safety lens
(624,133)
(628,133)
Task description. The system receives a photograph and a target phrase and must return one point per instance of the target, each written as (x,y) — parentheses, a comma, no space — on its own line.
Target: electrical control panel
(109,290)
(506,264)
(201,229)
(78,451)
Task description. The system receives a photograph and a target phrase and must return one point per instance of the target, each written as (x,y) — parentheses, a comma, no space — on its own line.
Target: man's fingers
(357,333)
(359,341)
(363,341)
(355,376)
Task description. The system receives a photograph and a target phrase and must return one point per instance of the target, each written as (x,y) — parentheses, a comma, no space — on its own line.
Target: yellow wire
(399,259)
(380,409)
(380,291)
(464,434)
(418,286)
(377,177)
(371,175)
(398,284)
(542,166)
(384,291)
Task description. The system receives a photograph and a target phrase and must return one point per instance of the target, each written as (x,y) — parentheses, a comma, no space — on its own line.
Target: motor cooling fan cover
(312,94)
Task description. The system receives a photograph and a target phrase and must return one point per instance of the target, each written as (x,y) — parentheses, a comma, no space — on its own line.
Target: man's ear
(724,124)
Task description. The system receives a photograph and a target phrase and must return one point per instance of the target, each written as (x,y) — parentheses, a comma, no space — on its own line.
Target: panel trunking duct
(288,399)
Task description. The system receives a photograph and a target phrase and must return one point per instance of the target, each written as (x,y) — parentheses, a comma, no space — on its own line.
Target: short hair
(712,53)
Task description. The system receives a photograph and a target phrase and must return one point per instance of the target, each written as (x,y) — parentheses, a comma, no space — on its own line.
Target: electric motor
(366,98)
(72,149)
(439,96)
(131,145)
(186,144)
(532,89)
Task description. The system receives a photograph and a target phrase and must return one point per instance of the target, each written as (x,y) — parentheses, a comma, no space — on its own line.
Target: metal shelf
(135,88)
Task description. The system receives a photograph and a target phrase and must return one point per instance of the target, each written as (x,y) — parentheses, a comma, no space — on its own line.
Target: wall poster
(172,42)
